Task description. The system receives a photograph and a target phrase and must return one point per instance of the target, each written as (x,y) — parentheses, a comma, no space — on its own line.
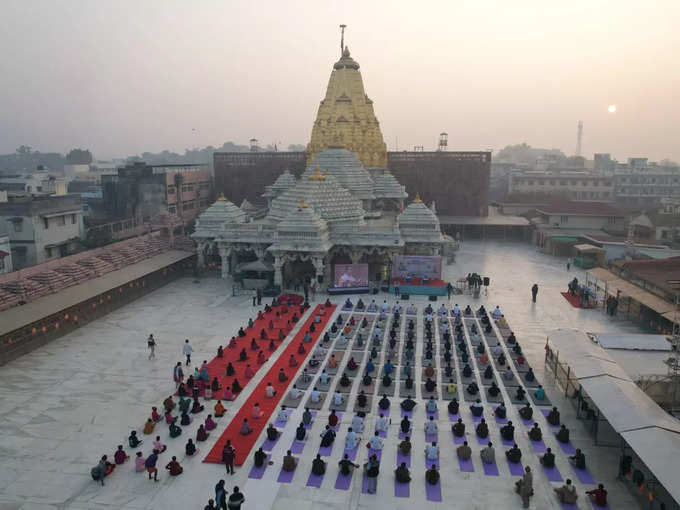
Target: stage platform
(437,288)
(348,290)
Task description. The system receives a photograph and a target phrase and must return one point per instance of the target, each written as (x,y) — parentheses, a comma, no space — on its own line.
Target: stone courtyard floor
(66,404)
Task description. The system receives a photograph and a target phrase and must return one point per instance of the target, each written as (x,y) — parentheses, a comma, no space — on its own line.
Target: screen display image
(416,266)
(351,275)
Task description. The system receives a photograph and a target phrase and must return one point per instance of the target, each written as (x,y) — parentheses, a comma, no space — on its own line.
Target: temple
(346,207)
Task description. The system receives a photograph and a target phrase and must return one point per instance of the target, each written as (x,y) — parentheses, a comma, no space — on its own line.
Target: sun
(611,108)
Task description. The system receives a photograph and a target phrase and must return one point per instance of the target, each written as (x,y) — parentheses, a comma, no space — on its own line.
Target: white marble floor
(66,404)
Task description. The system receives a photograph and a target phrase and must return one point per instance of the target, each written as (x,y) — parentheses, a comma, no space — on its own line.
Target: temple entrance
(297,274)
(212,258)
(379,266)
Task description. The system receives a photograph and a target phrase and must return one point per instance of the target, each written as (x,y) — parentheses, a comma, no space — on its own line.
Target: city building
(5,250)
(336,211)
(661,225)
(141,191)
(41,181)
(644,184)
(567,184)
(42,227)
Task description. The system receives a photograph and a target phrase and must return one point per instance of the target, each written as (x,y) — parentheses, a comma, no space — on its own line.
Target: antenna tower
(579,137)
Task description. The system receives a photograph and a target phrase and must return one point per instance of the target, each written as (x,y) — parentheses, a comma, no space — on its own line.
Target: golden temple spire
(342,39)
(417,200)
(222,198)
(317,175)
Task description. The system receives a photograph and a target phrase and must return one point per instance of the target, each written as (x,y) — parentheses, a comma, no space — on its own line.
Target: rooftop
(568,207)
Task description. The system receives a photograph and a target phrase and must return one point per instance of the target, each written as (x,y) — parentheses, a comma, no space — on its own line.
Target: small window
(172,209)
(46,223)
(73,219)
(564,219)
(49,252)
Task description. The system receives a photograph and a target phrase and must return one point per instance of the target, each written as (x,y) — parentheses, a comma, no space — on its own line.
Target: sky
(123,77)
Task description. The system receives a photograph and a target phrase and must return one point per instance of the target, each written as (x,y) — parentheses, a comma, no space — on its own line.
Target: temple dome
(302,229)
(222,212)
(346,168)
(387,186)
(418,223)
(283,182)
(325,195)
(346,118)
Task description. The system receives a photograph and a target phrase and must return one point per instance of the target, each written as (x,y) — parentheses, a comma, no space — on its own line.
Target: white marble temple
(66,404)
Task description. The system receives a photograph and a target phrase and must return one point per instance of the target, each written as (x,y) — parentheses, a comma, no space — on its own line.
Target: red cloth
(244,444)
(574,300)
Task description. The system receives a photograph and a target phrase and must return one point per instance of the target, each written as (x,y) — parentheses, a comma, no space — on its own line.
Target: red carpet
(217,367)
(574,301)
(244,444)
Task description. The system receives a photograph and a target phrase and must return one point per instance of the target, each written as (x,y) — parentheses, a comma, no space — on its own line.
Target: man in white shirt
(316,396)
(456,310)
(376,443)
(187,350)
(432,451)
(381,423)
(431,426)
(497,350)
(358,424)
(269,391)
(283,414)
(384,308)
(352,440)
(338,398)
(323,378)
(376,332)
(295,393)
(496,314)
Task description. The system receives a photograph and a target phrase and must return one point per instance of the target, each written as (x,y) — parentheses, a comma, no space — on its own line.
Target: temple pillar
(278,275)
(224,255)
(319,266)
(232,262)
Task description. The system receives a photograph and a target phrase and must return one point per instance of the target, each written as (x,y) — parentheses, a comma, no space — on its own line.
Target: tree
(79,157)
(296,147)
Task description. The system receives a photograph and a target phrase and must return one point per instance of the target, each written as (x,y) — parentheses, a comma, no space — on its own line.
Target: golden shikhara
(346,118)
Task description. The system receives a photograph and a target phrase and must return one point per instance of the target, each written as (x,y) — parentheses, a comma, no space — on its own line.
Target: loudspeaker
(432,298)
(405,296)
(487,281)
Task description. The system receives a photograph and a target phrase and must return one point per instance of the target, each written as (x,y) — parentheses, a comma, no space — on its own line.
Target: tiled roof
(567,207)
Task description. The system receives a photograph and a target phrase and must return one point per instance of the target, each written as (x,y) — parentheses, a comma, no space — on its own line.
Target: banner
(416,266)
(351,275)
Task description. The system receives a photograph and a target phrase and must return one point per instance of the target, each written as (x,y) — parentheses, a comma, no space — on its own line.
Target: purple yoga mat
(552,473)
(435,414)
(429,462)
(285,476)
(403,458)
(458,440)
(453,417)
(268,445)
(584,476)
(258,472)
(309,425)
(279,424)
(528,423)
(401,490)
(516,468)
(342,482)
(382,433)
(466,466)
(507,442)
(297,446)
(325,451)
(477,419)
(314,480)
(482,440)
(430,438)
(490,469)
(352,454)
(567,448)
(539,446)
(377,453)
(433,492)
(502,421)
(569,506)
(402,435)
(364,484)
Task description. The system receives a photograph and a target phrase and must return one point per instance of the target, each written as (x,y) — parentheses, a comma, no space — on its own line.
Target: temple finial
(342,39)
(417,200)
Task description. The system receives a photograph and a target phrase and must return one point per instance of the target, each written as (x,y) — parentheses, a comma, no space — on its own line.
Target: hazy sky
(122,77)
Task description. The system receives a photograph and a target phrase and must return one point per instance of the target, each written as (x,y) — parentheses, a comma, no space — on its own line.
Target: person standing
(187,349)
(151,344)
(534,292)
(568,264)
(525,487)
(228,454)
(236,499)
(221,495)
(178,374)
(259,297)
